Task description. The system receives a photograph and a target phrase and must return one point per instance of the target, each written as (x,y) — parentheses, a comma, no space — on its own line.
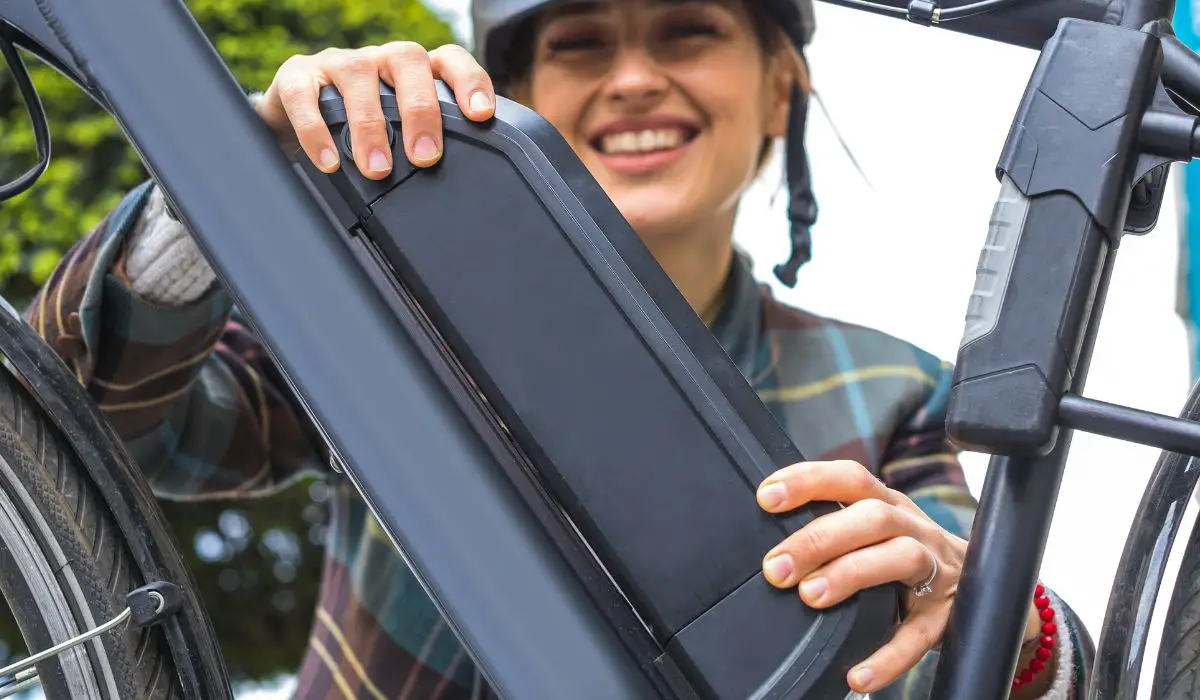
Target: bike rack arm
(1068,171)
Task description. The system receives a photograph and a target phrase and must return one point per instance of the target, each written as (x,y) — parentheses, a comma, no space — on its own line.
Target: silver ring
(926,587)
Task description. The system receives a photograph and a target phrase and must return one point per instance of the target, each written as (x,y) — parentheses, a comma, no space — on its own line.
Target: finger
(902,559)
(843,481)
(910,643)
(830,536)
(356,75)
(407,64)
(298,85)
(470,83)
(903,501)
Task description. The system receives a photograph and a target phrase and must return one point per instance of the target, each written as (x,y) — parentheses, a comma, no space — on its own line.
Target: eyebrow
(582,7)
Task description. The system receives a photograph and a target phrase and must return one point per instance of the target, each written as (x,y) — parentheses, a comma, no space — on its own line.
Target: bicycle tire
(65,567)
(1177,675)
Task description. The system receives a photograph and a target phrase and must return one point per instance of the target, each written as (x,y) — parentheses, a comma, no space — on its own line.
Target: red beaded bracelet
(1038,663)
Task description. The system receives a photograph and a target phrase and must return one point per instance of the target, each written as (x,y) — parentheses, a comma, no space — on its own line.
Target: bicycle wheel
(1177,676)
(65,568)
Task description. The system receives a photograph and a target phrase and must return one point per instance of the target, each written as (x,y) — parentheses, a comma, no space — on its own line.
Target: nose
(635,77)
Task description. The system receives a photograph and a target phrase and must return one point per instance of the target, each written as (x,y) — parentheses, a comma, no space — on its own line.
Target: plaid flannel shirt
(206,415)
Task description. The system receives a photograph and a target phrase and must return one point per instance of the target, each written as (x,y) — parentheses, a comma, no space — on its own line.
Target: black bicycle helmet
(496,22)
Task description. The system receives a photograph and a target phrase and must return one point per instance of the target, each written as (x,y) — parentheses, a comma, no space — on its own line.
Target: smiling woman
(672,106)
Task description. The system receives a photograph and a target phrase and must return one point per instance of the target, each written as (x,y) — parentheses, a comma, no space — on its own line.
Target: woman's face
(667,102)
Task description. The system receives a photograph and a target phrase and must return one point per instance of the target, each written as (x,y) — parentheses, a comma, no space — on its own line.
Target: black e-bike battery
(622,408)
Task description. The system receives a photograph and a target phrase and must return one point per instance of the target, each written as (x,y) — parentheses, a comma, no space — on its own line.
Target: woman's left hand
(881,536)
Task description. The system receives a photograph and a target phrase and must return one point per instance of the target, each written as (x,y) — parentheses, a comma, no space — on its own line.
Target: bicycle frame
(150,65)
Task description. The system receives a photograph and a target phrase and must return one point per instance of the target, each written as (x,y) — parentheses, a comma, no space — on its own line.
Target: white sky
(926,119)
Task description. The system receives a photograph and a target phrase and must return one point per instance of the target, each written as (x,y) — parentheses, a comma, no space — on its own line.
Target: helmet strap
(802,205)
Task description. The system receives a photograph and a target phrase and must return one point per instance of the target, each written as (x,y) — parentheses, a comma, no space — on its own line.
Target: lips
(643,141)
(642,146)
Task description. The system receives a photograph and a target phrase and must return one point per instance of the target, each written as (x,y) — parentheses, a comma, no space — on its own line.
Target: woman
(672,105)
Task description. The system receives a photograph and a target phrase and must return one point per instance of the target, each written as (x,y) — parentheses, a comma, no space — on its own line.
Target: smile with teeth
(644,141)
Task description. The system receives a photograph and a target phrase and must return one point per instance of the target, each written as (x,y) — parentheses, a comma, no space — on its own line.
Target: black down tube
(1066,173)
(505,589)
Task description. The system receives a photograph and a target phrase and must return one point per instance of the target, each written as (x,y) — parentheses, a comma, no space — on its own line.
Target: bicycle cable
(928,11)
(33,105)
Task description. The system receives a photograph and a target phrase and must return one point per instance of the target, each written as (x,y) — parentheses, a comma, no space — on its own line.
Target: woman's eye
(686,30)
(581,42)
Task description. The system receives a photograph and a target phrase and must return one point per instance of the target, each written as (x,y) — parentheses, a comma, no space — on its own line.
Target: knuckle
(291,91)
(927,633)
(916,554)
(478,76)
(420,106)
(308,127)
(851,572)
(814,539)
(358,63)
(295,62)
(366,120)
(864,479)
(878,513)
(407,51)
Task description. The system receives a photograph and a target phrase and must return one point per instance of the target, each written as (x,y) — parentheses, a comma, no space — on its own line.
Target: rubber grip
(996,262)
(1036,276)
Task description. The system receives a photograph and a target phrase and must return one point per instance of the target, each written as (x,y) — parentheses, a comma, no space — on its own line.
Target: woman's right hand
(290,106)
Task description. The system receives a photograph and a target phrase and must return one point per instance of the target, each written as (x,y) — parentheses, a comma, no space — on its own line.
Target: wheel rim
(28,539)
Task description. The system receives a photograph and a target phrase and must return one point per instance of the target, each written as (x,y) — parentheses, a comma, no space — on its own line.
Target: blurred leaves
(258,562)
(92,164)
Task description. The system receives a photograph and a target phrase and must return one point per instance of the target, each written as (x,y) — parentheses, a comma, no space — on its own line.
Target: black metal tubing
(1007,542)
(1130,424)
(491,570)
(1028,24)
(982,642)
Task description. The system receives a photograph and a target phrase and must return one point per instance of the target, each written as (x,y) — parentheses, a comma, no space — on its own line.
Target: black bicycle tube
(528,623)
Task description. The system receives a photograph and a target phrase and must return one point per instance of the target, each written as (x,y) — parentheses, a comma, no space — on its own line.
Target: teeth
(644,141)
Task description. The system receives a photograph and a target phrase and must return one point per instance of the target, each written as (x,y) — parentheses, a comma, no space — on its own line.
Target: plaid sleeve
(922,463)
(190,389)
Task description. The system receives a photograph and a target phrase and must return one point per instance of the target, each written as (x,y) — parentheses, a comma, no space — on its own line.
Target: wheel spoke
(22,681)
(29,663)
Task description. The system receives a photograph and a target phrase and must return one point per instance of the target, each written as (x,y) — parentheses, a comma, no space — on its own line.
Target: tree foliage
(92,164)
(257,562)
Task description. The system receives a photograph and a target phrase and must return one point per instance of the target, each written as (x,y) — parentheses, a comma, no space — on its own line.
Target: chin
(650,221)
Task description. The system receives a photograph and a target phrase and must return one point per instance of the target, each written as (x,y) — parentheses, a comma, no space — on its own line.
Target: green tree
(93,165)
(256,562)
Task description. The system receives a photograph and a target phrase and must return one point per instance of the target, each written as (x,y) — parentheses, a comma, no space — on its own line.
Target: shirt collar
(738,326)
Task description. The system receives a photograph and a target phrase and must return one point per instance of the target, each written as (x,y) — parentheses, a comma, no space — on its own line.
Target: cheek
(558,101)
(739,127)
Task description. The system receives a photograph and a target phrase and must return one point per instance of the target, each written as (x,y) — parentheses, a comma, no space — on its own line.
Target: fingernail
(772,495)
(863,677)
(813,589)
(378,162)
(778,568)
(329,159)
(480,101)
(425,149)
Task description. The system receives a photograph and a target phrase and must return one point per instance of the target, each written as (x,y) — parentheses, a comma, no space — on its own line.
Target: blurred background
(924,111)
